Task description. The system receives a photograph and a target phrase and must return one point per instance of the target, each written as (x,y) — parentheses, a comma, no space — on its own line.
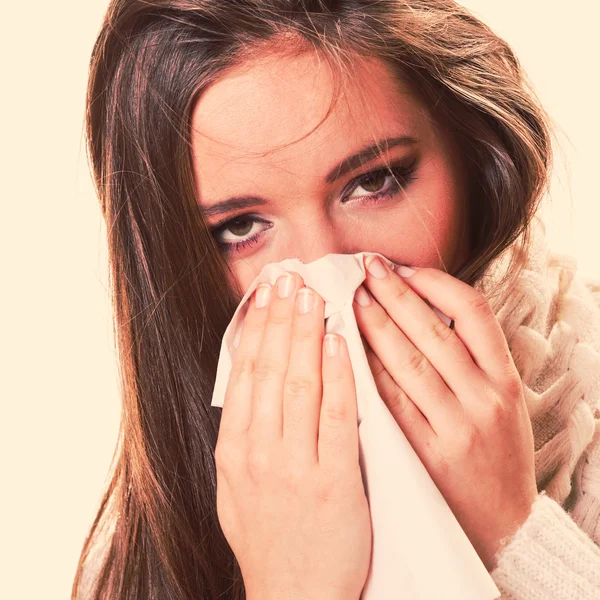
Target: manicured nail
(404,271)
(361,296)
(376,267)
(332,344)
(263,295)
(285,284)
(304,300)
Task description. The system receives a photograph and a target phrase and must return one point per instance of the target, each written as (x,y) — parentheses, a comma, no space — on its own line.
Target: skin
(456,395)
(290,496)
(240,125)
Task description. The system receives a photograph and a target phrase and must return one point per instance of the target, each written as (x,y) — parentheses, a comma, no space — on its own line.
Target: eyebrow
(349,164)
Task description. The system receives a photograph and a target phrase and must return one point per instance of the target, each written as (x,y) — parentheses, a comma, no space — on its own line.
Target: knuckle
(478,303)
(388,323)
(437,331)
(226,457)
(383,322)
(400,291)
(258,462)
(280,318)
(436,458)
(299,385)
(334,410)
(496,412)
(439,461)
(295,473)
(415,364)
(513,388)
(507,365)
(266,368)
(376,366)
(398,401)
(325,489)
(242,367)
(303,331)
(468,440)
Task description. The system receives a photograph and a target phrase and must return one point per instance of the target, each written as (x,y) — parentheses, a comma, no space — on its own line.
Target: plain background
(59,386)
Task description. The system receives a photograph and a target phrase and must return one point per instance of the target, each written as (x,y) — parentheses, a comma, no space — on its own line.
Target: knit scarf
(551,321)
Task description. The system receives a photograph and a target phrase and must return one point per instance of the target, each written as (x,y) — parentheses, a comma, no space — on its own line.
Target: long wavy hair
(156,534)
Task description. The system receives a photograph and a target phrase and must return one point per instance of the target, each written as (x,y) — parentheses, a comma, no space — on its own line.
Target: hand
(457,396)
(290,495)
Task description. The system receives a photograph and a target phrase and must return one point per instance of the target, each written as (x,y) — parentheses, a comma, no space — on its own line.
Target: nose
(319,237)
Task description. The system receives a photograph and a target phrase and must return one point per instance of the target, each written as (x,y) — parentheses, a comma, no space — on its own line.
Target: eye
(374,182)
(386,182)
(239,227)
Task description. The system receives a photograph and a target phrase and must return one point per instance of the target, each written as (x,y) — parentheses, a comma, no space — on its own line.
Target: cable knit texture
(551,320)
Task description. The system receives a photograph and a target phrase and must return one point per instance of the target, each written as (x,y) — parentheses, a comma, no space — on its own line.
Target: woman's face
(295,201)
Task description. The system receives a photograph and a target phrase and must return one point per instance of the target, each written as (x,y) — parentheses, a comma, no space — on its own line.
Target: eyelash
(402,177)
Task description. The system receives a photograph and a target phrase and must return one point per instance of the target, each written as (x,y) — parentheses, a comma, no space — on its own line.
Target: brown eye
(381,183)
(374,181)
(235,226)
(237,233)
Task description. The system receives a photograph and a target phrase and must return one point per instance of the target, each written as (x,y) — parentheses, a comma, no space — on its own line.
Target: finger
(303,382)
(441,345)
(410,419)
(475,325)
(338,423)
(407,366)
(235,415)
(266,420)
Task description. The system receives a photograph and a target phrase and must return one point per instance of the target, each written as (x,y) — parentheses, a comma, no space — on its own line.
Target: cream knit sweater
(551,320)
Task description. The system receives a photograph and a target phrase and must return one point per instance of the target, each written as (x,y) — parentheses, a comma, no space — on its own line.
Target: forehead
(254,115)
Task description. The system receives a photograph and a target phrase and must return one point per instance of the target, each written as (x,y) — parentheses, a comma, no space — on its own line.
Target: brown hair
(157,525)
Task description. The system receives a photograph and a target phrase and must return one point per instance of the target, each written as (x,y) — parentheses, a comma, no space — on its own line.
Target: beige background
(58,386)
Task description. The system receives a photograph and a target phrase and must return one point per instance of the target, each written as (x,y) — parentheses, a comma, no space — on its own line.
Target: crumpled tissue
(419,551)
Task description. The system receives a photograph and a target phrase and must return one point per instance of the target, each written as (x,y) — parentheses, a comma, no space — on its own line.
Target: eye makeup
(397,176)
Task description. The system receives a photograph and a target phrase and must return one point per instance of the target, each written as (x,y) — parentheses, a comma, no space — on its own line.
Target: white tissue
(419,550)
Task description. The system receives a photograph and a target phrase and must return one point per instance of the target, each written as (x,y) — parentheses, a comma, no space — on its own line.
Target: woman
(228,135)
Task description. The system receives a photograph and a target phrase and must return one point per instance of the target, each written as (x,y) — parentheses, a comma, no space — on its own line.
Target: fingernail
(376,267)
(405,271)
(361,296)
(332,344)
(285,283)
(263,295)
(304,300)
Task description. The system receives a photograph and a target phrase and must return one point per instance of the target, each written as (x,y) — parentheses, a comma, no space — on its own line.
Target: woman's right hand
(290,496)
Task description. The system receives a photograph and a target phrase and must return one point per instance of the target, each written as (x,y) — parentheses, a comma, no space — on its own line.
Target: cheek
(244,276)
(436,214)
(427,231)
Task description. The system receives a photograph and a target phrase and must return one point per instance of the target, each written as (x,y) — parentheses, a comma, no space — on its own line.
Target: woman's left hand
(456,395)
